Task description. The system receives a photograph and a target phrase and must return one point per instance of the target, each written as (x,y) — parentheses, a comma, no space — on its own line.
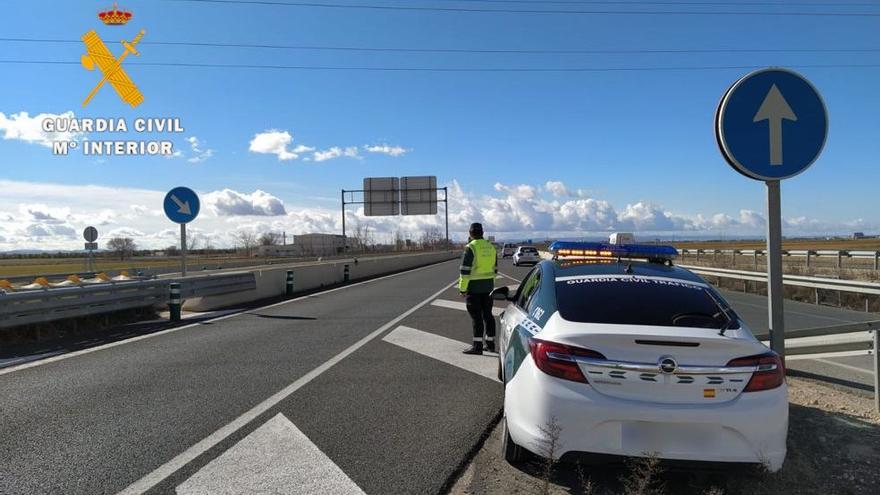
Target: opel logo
(667,364)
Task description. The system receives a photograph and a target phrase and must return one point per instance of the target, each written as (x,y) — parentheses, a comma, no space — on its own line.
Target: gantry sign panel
(418,195)
(381,196)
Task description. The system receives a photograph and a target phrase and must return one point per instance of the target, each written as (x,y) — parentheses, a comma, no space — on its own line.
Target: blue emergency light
(605,250)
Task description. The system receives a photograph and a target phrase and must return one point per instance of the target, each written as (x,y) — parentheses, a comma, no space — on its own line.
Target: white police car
(631,356)
(526,254)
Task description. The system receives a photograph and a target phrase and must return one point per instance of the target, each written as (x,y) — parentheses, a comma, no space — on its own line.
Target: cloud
(275,142)
(386,149)
(335,152)
(557,188)
(22,127)
(258,203)
(200,153)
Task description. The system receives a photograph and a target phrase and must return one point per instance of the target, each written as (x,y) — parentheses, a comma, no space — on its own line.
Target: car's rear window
(528,250)
(637,300)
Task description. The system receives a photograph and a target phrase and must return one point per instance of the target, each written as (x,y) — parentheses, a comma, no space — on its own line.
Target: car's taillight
(770,372)
(559,360)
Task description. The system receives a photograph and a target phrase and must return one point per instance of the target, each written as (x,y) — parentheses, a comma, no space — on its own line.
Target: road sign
(181,205)
(91,246)
(771,124)
(90,234)
(381,196)
(418,195)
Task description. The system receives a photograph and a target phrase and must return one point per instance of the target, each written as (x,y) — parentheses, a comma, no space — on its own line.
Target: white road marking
(446,303)
(847,367)
(511,278)
(790,312)
(275,458)
(445,350)
(184,458)
(69,355)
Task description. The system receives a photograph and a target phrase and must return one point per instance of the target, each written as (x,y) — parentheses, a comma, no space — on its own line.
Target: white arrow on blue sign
(181,205)
(771,124)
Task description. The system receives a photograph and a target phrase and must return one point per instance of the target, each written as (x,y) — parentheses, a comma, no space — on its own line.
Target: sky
(528,153)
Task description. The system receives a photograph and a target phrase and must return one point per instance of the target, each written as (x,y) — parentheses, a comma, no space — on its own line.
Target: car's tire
(513,453)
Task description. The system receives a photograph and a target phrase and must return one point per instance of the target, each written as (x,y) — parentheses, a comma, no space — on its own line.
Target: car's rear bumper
(749,429)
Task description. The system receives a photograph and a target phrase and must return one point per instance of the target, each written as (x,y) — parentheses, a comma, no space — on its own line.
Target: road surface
(360,389)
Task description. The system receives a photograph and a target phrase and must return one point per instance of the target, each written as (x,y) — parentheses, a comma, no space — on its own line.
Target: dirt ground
(833,448)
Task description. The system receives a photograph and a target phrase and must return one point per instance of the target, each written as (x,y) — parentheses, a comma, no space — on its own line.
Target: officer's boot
(490,344)
(476,349)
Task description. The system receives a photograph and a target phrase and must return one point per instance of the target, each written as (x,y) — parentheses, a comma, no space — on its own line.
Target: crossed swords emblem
(111,67)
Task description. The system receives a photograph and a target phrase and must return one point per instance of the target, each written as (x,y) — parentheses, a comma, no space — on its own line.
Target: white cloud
(557,188)
(200,153)
(30,129)
(234,203)
(275,142)
(386,149)
(335,152)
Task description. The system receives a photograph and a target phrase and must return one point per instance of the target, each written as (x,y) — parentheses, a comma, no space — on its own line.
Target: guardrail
(820,340)
(807,254)
(46,305)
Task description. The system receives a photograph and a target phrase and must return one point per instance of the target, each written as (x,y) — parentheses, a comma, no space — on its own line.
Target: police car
(632,356)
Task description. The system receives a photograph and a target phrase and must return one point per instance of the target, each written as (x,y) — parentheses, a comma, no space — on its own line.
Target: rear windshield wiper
(731,319)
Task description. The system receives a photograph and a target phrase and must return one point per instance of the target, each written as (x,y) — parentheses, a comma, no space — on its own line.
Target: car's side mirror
(501,294)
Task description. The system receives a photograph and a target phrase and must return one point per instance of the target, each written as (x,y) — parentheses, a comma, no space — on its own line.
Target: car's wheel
(512,452)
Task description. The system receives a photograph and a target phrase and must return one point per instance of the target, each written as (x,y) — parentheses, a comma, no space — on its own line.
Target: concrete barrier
(271,282)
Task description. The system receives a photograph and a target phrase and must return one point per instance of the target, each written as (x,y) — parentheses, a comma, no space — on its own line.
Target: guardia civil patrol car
(632,356)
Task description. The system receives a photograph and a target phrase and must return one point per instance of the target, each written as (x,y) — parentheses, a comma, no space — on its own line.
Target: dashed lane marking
(275,458)
(445,350)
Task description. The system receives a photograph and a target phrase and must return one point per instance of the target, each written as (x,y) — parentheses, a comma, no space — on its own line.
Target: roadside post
(90,234)
(174,301)
(346,274)
(289,289)
(770,125)
(182,206)
(876,369)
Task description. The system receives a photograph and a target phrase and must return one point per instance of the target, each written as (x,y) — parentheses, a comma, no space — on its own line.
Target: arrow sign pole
(182,249)
(773,110)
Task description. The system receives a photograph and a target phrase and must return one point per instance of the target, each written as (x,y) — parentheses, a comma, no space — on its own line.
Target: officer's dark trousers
(479,306)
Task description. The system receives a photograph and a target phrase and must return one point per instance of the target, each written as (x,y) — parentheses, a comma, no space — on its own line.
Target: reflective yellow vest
(483,267)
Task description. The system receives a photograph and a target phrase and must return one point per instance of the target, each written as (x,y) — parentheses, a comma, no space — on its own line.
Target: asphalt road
(361,389)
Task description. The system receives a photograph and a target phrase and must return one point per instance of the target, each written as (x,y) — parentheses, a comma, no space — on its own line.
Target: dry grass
(794,244)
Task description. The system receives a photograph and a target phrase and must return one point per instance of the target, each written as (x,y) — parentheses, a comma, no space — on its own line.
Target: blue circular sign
(771,124)
(181,205)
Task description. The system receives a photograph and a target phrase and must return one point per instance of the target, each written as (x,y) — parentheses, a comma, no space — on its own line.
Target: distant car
(508,250)
(526,255)
(630,357)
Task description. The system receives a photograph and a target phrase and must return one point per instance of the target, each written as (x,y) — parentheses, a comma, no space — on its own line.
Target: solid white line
(69,355)
(791,312)
(275,458)
(181,460)
(446,303)
(445,350)
(847,367)
(511,278)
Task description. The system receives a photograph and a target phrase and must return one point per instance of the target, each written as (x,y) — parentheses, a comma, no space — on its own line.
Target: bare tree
(172,250)
(123,246)
(432,237)
(269,239)
(363,236)
(246,240)
(192,241)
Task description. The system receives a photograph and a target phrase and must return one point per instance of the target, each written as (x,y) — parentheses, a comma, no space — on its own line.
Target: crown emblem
(114,16)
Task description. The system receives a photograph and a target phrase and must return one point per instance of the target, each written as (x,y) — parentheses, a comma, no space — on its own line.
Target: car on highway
(629,355)
(526,255)
(508,250)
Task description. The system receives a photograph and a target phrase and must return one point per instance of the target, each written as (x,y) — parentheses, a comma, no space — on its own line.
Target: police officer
(476,281)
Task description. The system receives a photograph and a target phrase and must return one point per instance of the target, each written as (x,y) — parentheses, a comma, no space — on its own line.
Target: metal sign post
(774,267)
(771,125)
(182,206)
